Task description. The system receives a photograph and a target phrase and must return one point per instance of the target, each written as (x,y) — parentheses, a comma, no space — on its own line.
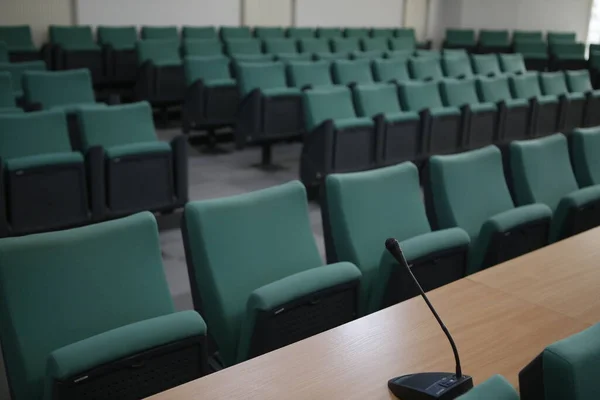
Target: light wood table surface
(500,319)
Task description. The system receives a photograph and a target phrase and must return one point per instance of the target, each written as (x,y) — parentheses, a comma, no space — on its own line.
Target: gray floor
(214,176)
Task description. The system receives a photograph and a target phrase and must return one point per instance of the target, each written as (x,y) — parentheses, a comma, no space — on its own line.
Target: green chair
(469,191)
(495,388)
(359,33)
(308,75)
(159,33)
(493,41)
(486,65)
(455,53)
(410,34)
(402,44)
(300,33)
(73,47)
(337,139)
(398,132)
(399,55)
(460,39)
(527,36)
(352,72)
(261,284)
(314,46)
(270,111)
(534,53)
(328,33)
(573,105)
(561,37)
(547,113)
(368,55)
(479,120)
(457,68)
(362,209)
(268,32)
(199,32)
(278,47)
(390,71)
(514,115)
(567,56)
(212,97)
(48,279)
(234,32)
(19,41)
(120,59)
(346,45)
(422,53)
(585,145)
(512,63)
(129,169)
(374,44)
(42,178)
(202,48)
(564,370)
(580,82)
(387,33)
(425,69)
(17,70)
(287,58)
(246,50)
(541,173)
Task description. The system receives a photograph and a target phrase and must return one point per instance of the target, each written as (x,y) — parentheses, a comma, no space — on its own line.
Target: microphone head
(391,244)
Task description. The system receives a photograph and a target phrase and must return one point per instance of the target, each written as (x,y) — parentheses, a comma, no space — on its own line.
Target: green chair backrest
(457,67)
(324,104)
(280,46)
(529,48)
(563,37)
(21,135)
(160,52)
(368,55)
(119,38)
(417,96)
(399,55)
(457,93)
(206,69)
(406,32)
(357,71)
(460,37)
(4,57)
(579,81)
(17,70)
(117,125)
(236,47)
(455,53)
(329,33)
(512,63)
(541,170)
(199,32)
(269,32)
(456,183)
(299,33)
(494,38)
(17,37)
(493,90)
(73,37)
(425,68)
(495,388)
(86,273)
(585,147)
(252,76)
(356,32)
(568,50)
(235,32)
(58,88)
(383,32)
(553,83)
(302,74)
(374,44)
(7,95)
(402,43)
(428,53)
(160,33)
(371,100)
(390,70)
(486,64)
(527,36)
(345,45)
(261,225)
(202,47)
(313,45)
(525,86)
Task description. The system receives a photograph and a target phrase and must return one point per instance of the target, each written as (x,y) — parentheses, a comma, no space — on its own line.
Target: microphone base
(430,386)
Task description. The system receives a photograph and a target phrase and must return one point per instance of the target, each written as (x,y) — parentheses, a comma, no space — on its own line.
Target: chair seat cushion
(167,63)
(42,160)
(482,107)
(22,49)
(219,82)
(73,108)
(575,96)
(294,57)
(283,91)
(349,123)
(404,116)
(429,243)
(444,111)
(548,99)
(253,58)
(9,110)
(137,149)
(515,103)
(574,200)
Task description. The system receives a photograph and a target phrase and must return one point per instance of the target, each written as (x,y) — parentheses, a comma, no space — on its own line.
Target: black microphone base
(430,386)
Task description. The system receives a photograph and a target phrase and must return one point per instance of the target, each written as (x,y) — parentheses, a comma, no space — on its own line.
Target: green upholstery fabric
(425,68)
(11,110)
(374,44)
(383,32)
(527,36)
(117,125)
(199,32)
(220,83)
(135,149)
(3,53)
(243,46)
(489,38)
(463,92)
(253,58)
(73,38)
(568,51)
(405,44)
(585,148)
(561,37)
(268,32)
(281,91)
(495,388)
(532,50)
(58,88)
(367,55)
(403,116)
(235,32)
(323,104)
(7,97)
(553,83)
(455,53)
(312,45)
(579,81)
(486,64)
(159,52)
(349,123)
(331,56)
(314,74)
(457,67)
(494,89)
(119,38)
(293,57)
(406,32)
(366,208)
(329,33)
(42,160)
(460,37)
(280,46)
(444,111)
(390,70)
(417,96)
(47,279)
(260,76)
(298,33)
(160,33)
(301,284)
(428,53)
(253,223)
(74,108)
(371,100)
(512,63)
(528,86)
(345,45)
(403,55)
(571,366)
(356,32)
(202,47)
(356,71)
(17,37)
(207,69)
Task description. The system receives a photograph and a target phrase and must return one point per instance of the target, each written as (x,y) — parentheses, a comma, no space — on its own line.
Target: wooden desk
(500,319)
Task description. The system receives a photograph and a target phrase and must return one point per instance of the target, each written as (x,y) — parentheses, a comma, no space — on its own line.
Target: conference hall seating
(579,81)
(199,32)
(299,33)
(534,53)
(460,39)
(317,47)
(346,45)
(352,72)
(120,58)
(469,191)
(403,55)
(19,41)
(73,47)
(428,53)
(159,33)
(567,56)
(547,111)
(457,67)
(486,65)
(17,70)
(87,313)
(43,182)
(493,41)
(425,69)
(495,388)
(201,48)
(246,50)
(527,36)
(234,32)
(512,63)
(541,172)
(394,70)
(356,33)
(402,44)
(8,103)
(266,32)
(361,210)
(328,33)
(387,33)
(561,37)
(261,285)
(308,75)
(585,156)
(573,105)
(283,48)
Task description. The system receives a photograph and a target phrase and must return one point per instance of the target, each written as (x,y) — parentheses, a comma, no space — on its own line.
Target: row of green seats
(500,40)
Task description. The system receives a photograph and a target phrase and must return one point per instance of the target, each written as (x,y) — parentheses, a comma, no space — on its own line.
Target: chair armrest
(179,146)
(4,230)
(77,358)
(94,160)
(573,203)
(511,219)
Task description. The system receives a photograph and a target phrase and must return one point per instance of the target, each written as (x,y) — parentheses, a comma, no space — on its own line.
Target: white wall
(268,12)
(36,13)
(415,16)
(356,13)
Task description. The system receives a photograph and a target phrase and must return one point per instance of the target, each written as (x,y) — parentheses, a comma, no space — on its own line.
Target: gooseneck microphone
(428,385)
